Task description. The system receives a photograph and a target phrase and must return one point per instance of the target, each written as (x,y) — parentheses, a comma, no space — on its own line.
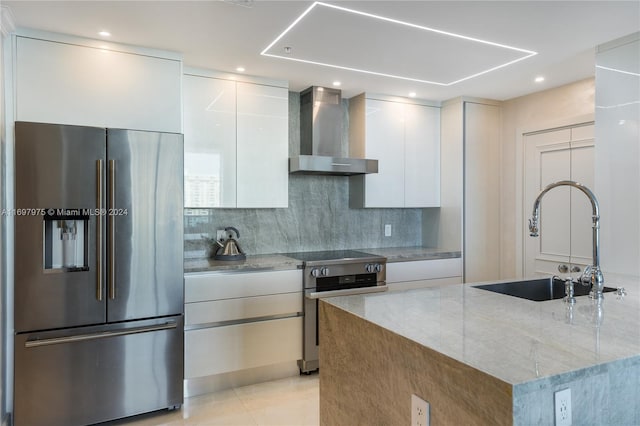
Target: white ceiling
(221,36)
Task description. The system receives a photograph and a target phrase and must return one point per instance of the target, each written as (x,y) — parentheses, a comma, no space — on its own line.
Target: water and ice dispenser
(66,240)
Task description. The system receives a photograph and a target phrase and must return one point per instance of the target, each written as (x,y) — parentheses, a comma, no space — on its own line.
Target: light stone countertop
(277,261)
(513,339)
(253,262)
(407,254)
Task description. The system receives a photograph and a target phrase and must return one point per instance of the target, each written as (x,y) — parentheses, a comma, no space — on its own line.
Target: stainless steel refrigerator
(99,282)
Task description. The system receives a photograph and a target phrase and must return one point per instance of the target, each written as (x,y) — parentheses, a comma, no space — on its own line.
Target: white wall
(618,154)
(549,108)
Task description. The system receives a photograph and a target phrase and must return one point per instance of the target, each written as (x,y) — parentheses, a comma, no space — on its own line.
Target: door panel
(56,168)
(385,141)
(565,213)
(582,167)
(107,372)
(555,209)
(146,224)
(262,146)
(209,142)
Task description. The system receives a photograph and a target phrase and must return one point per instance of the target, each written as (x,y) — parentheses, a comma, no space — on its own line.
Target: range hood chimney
(321,137)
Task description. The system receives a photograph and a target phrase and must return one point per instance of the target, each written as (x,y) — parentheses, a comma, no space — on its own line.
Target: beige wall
(540,110)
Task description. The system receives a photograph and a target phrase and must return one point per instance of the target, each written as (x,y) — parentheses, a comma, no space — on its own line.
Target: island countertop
(512,339)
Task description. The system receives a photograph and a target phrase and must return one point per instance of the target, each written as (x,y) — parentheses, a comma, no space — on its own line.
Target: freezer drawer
(94,374)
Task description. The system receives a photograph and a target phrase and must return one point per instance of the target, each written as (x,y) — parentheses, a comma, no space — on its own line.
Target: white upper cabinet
(384,133)
(236,142)
(404,136)
(75,82)
(209,142)
(421,156)
(263,146)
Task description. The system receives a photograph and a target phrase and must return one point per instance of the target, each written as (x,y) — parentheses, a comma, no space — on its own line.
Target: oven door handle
(346,292)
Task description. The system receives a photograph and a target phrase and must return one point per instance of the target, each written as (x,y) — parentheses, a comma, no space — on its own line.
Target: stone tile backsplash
(318,218)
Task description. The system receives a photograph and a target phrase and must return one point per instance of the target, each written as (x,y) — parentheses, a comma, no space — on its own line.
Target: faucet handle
(587,276)
(533,227)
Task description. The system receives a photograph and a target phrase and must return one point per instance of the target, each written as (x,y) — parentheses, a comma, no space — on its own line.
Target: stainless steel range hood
(321,150)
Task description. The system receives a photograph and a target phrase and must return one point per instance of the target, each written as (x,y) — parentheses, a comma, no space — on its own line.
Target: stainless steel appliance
(321,150)
(334,273)
(99,285)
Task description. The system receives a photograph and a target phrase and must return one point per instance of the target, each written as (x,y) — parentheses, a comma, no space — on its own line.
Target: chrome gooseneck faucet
(592,275)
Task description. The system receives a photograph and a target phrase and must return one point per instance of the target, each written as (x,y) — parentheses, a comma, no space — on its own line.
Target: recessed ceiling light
(266,52)
(539,79)
(337,83)
(104,34)
(412,94)
(240,69)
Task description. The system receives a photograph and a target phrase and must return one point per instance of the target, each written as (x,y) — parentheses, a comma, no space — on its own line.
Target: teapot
(229,249)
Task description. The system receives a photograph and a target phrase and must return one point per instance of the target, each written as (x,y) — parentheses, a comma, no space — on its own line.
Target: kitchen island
(479,357)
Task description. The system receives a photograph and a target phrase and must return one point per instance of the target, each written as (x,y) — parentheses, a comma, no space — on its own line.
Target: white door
(564,244)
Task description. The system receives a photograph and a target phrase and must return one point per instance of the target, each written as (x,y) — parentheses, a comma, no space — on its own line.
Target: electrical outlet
(387,230)
(563,407)
(220,234)
(419,411)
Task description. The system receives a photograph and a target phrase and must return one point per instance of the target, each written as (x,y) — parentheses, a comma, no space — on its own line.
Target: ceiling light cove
(370,44)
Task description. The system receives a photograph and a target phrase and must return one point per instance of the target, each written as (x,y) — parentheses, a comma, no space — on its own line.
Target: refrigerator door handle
(99,273)
(112,229)
(101,335)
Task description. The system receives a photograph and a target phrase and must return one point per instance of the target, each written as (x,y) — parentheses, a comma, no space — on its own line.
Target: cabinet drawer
(219,350)
(424,270)
(242,308)
(230,285)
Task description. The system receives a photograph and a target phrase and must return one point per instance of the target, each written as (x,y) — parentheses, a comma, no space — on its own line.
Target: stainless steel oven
(334,273)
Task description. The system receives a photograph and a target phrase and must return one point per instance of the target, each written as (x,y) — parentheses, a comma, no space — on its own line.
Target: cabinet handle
(576,269)
(563,268)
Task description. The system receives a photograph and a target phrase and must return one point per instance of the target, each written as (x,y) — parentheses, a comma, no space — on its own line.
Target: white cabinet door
(424,273)
(209,142)
(565,213)
(422,156)
(80,85)
(262,146)
(218,350)
(405,139)
(384,134)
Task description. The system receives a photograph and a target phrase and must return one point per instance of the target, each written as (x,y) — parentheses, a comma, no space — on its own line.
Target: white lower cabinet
(241,320)
(423,273)
(230,348)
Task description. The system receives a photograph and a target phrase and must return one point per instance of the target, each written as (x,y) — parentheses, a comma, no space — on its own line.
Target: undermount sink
(537,290)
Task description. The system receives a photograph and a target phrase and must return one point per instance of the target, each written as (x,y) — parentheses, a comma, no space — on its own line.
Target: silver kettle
(229,250)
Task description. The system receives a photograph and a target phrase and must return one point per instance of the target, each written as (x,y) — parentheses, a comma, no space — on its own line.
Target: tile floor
(292,401)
